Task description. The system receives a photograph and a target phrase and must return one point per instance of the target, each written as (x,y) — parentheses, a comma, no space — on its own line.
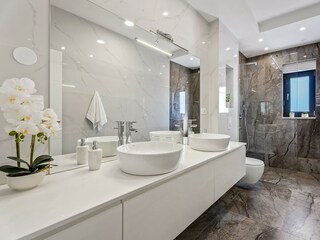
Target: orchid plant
(26,117)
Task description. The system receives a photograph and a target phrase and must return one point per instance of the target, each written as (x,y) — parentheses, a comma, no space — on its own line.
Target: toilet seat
(253,162)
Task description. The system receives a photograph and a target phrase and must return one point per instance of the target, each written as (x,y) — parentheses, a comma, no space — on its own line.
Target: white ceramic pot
(305,115)
(26,182)
(292,114)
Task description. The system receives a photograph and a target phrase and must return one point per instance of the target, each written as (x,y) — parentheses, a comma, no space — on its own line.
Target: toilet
(254,171)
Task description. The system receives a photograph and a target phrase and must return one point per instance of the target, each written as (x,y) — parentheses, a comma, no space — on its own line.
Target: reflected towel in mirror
(96,113)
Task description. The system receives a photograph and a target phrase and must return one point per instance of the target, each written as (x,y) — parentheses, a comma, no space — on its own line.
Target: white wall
(229,58)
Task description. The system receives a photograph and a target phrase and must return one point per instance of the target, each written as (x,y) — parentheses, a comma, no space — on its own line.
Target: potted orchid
(26,118)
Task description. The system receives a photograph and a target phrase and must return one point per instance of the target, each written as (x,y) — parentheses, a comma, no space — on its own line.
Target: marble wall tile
(293,144)
(186,80)
(133,81)
(23,23)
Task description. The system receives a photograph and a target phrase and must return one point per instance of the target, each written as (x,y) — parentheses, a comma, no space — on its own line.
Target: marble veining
(133,81)
(284,205)
(186,80)
(291,144)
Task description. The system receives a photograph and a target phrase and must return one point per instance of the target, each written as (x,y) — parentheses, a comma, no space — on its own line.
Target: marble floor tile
(233,226)
(265,203)
(284,205)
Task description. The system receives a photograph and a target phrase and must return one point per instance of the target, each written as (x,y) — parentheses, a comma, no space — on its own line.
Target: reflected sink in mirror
(149,158)
(166,136)
(209,142)
(108,144)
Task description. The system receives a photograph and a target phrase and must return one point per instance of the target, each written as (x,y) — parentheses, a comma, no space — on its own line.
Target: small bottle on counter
(94,157)
(82,152)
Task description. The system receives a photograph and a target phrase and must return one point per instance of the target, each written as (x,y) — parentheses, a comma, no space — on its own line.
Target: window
(299,90)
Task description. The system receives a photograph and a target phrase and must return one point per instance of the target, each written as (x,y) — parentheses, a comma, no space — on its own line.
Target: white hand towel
(96,113)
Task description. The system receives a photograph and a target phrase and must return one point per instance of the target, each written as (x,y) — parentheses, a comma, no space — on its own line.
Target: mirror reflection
(116,83)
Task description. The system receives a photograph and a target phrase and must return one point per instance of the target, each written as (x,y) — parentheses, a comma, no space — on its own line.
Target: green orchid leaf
(41,168)
(19,174)
(19,160)
(11,169)
(41,159)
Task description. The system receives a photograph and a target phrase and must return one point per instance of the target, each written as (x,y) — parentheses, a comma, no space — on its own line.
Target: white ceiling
(276,21)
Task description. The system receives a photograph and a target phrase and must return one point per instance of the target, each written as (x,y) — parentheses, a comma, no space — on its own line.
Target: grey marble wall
(23,24)
(292,144)
(132,80)
(186,80)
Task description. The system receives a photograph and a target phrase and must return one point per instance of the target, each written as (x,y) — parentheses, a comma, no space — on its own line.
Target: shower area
(268,136)
(282,143)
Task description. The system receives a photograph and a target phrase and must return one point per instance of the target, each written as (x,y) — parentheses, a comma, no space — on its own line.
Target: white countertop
(66,196)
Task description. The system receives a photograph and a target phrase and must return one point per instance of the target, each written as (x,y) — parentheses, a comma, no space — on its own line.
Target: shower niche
(229,87)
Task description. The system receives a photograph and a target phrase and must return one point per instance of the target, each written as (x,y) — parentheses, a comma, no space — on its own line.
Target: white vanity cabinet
(228,170)
(105,225)
(163,212)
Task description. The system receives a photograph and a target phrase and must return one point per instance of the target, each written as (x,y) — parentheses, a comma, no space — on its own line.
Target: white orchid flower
(49,115)
(21,86)
(27,128)
(34,102)
(22,114)
(10,101)
(50,129)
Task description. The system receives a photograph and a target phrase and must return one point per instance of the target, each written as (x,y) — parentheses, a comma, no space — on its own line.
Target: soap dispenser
(94,157)
(82,152)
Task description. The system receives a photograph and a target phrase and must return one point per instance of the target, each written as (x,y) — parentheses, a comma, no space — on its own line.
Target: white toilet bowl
(254,171)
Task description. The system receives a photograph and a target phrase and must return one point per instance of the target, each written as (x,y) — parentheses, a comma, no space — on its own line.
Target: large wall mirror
(139,75)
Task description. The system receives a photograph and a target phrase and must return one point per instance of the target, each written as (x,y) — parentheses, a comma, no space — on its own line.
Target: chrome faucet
(120,132)
(186,128)
(129,129)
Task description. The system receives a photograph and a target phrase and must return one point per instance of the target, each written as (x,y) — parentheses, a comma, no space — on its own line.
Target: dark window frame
(287,96)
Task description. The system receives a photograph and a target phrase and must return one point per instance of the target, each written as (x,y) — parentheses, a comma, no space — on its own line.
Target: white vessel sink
(166,136)
(149,158)
(108,144)
(209,142)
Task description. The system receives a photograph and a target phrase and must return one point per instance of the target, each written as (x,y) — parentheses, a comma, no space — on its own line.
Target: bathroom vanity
(109,204)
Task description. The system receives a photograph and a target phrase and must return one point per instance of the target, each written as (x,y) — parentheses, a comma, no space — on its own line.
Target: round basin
(108,144)
(149,158)
(166,136)
(209,142)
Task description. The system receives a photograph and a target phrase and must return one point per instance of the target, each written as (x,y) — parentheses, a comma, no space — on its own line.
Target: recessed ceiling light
(302,29)
(161,73)
(304,56)
(260,40)
(203,42)
(163,66)
(266,49)
(165,14)
(63,48)
(129,23)
(236,55)
(191,59)
(228,49)
(100,41)
(91,55)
